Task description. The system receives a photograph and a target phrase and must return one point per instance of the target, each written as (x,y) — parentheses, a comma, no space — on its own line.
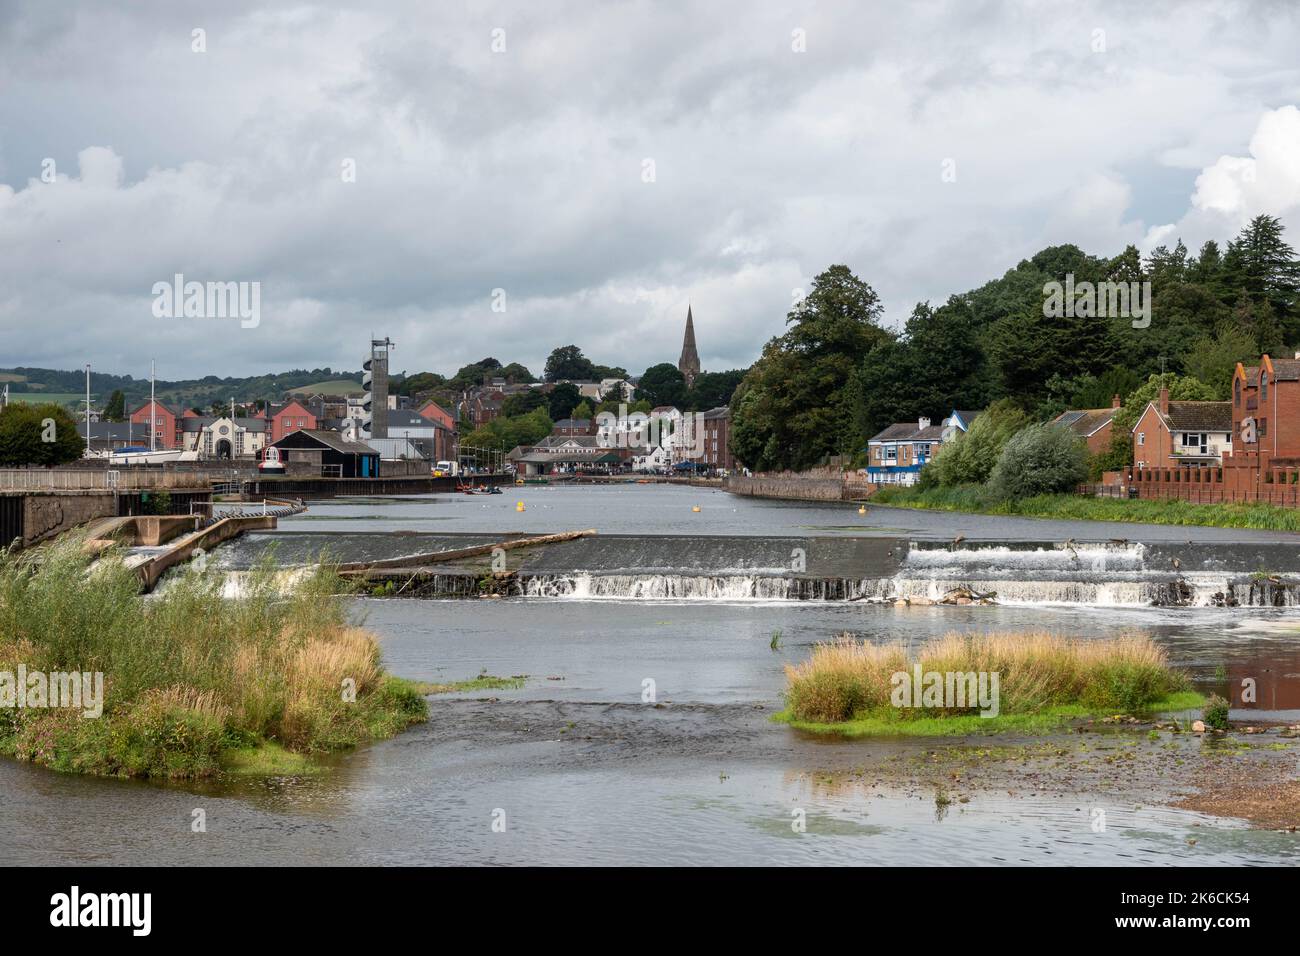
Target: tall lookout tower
(689,363)
(374,379)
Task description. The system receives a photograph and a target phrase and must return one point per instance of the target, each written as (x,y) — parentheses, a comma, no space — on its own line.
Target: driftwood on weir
(363,568)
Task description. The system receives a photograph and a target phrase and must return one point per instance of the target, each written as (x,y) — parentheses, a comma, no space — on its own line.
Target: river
(577,766)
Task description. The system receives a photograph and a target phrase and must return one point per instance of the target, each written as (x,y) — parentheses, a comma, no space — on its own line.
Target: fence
(1226,484)
(63,479)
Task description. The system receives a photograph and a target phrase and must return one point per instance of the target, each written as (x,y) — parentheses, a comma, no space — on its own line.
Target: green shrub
(1040,459)
(1215,714)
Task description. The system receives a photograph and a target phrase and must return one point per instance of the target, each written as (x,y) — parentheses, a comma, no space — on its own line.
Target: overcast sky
(777,141)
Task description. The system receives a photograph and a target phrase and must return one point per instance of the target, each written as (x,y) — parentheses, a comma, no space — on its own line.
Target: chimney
(1164,401)
(922,423)
(1115,401)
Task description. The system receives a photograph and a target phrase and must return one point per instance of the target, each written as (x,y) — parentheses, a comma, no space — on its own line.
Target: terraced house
(896,455)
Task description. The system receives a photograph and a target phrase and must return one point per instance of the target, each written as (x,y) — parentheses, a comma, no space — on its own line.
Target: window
(891,453)
(1263,426)
(1142,438)
(1263,384)
(1236,391)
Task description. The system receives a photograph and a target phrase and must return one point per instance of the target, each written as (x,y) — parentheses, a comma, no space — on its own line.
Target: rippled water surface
(582,770)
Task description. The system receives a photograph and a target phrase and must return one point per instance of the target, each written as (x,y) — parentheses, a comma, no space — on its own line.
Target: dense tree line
(836,377)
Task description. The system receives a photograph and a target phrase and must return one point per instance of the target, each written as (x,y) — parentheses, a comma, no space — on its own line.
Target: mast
(87,409)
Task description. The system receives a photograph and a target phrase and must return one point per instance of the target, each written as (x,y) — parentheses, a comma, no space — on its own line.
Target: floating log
(363,568)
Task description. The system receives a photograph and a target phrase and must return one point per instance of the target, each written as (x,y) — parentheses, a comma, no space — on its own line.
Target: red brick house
(289,418)
(1188,434)
(1093,425)
(166,424)
(436,413)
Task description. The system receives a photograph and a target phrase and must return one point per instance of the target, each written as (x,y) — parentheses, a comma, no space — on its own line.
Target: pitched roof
(196,423)
(334,440)
(1200,416)
(1286,370)
(909,431)
(1085,421)
(967,417)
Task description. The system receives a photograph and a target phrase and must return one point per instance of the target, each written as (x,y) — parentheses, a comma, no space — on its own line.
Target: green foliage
(23,432)
(115,407)
(1039,459)
(1215,714)
(934,366)
(970,457)
(795,407)
(503,434)
(524,402)
(582,411)
(189,674)
(662,384)
(1213,359)
(713,389)
(568,362)
(562,400)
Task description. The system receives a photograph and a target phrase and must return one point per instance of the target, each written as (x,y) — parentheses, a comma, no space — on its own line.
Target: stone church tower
(689,363)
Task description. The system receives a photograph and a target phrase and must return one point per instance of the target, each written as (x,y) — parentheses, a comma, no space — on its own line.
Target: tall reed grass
(189,674)
(845,678)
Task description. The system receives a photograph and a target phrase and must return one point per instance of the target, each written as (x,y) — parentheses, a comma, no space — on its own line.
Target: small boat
(143,456)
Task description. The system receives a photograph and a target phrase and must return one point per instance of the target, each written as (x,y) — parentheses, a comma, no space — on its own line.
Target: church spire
(689,363)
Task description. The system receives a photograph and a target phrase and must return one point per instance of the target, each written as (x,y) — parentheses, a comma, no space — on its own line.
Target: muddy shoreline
(1245,776)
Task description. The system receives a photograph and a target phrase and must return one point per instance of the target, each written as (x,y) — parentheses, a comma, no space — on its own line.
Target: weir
(1117,574)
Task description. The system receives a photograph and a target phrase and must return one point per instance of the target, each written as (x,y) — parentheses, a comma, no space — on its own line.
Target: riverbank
(187,684)
(973,499)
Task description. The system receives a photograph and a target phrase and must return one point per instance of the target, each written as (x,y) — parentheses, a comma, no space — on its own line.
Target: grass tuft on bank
(851,687)
(977,499)
(195,684)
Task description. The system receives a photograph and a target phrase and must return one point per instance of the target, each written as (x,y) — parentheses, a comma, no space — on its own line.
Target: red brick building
(165,423)
(436,413)
(289,418)
(717,439)
(1182,434)
(1268,393)
(1093,425)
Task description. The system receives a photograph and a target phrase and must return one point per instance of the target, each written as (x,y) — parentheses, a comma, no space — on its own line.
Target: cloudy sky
(601,163)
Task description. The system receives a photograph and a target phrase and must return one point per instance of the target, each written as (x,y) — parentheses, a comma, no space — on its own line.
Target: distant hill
(338,386)
(69,387)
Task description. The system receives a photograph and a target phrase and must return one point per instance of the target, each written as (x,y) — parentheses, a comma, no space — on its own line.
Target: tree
(662,384)
(517,374)
(1261,264)
(564,397)
(38,435)
(714,389)
(794,406)
(1039,460)
(1213,359)
(421,383)
(115,407)
(935,366)
(970,457)
(582,411)
(503,434)
(568,363)
(524,402)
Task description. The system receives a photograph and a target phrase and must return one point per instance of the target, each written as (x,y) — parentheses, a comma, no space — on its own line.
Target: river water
(576,767)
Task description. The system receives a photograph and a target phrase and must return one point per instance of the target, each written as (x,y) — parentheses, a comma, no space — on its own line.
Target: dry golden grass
(845,677)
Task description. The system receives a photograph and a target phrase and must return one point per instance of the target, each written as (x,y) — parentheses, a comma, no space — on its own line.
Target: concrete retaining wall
(46,515)
(798,488)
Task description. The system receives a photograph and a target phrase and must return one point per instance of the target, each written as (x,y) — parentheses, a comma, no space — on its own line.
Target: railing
(65,479)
